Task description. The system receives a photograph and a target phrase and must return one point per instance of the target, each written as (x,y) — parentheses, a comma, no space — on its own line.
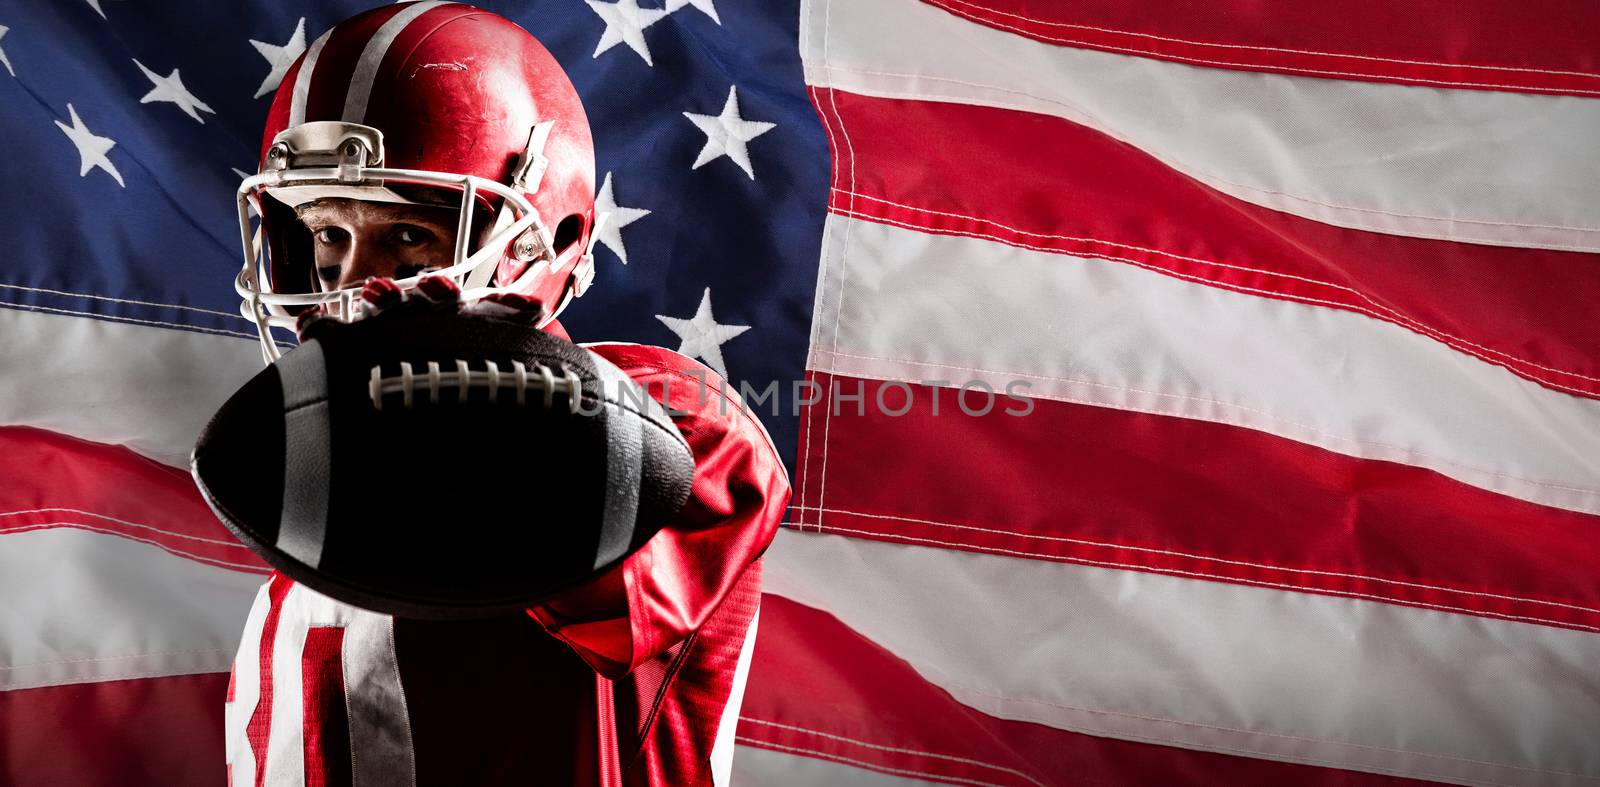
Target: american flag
(1209,388)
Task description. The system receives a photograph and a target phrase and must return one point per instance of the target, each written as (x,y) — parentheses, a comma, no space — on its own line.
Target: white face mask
(336,159)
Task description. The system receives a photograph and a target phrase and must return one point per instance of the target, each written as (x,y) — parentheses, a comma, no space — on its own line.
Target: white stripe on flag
(147,388)
(1147,657)
(1475,165)
(84,607)
(759,766)
(923,307)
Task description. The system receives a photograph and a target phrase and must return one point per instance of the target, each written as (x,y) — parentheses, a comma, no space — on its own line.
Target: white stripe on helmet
(302,81)
(355,101)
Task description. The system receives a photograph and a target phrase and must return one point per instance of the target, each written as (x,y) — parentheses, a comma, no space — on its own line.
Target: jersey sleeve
(660,594)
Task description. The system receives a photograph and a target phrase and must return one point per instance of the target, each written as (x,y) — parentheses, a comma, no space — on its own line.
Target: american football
(431,461)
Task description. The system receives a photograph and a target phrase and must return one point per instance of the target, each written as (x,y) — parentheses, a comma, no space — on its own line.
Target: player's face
(355,240)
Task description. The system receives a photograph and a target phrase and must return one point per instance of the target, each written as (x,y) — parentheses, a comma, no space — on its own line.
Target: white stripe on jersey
(722,745)
(241,758)
(380,731)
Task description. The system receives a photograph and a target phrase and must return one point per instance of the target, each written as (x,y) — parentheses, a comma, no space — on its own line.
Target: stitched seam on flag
(1418,328)
(1424,330)
(117,318)
(1284,736)
(1398,315)
(1258,48)
(173,533)
(827,236)
(127,657)
(107,677)
(1178,572)
(1407,452)
(833,177)
(805,467)
(218,562)
(1214,559)
(827,261)
(894,749)
(1264,66)
(1195,745)
(1187,744)
(896,538)
(864,763)
(844,260)
(86,295)
(1103,127)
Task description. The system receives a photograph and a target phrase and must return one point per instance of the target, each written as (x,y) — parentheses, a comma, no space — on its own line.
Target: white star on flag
(625,23)
(617,217)
(705,7)
(171,89)
(727,133)
(702,335)
(91,149)
(280,57)
(95,4)
(3,59)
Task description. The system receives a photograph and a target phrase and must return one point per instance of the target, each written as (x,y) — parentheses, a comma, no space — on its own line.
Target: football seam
(584,395)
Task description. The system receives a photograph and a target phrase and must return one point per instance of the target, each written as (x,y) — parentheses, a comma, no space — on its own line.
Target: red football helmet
(435,95)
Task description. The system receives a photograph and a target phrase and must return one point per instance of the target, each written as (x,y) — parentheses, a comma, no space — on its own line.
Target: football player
(463,153)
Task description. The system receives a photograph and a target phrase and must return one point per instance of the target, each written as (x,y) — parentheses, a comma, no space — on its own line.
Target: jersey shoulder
(693,392)
(646,359)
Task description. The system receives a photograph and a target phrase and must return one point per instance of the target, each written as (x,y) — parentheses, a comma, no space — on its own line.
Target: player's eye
(408,235)
(331,235)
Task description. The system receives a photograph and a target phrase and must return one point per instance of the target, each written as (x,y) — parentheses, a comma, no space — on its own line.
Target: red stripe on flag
(820,689)
(58,481)
(1480,44)
(1191,498)
(115,733)
(1052,185)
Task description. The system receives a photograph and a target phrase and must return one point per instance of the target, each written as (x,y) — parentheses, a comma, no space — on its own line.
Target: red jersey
(634,678)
